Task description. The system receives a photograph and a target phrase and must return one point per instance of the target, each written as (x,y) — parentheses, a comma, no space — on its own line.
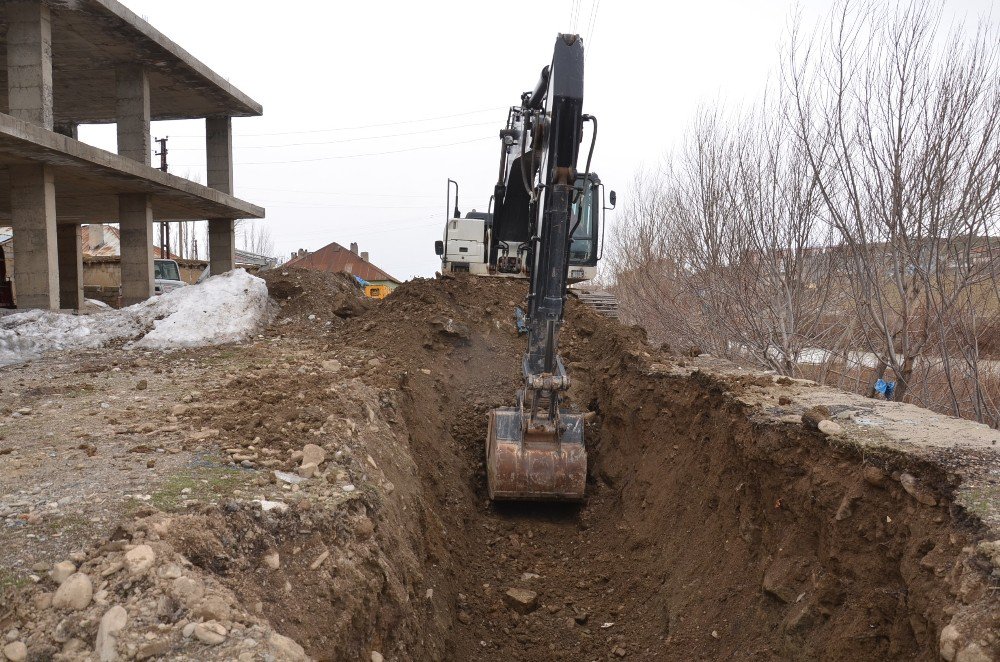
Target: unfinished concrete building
(64,63)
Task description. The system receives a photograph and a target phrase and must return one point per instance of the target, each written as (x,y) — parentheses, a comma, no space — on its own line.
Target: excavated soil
(704,536)
(710,531)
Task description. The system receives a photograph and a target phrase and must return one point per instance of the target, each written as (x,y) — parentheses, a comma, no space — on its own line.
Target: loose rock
(140,559)
(16,651)
(112,623)
(75,593)
(521,600)
(210,632)
(61,571)
(313,454)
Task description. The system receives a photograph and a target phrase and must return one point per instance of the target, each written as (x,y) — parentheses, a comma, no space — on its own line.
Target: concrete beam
(133,114)
(29,62)
(219,153)
(221,246)
(135,219)
(90,179)
(33,218)
(70,242)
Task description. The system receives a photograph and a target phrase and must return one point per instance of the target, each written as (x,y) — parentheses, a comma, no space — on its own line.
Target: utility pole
(164,228)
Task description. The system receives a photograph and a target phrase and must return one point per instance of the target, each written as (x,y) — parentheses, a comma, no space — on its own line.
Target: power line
(345,156)
(302,204)
(363,195)
(365,126)
(594,9)
(344,140)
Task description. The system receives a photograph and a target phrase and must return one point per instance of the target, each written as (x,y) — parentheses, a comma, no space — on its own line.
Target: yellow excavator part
(377,291)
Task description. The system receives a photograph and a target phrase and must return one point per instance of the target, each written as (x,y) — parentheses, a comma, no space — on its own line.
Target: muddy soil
(711,530)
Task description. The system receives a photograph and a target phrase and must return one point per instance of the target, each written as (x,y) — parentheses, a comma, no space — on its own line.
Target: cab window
(165,270)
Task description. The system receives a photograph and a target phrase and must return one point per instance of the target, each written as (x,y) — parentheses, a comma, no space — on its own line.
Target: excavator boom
(535,450)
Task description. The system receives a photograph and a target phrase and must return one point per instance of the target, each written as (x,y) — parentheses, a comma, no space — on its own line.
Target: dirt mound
(311,300)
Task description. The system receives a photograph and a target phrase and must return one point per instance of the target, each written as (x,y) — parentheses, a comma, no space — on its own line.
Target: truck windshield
(166,270)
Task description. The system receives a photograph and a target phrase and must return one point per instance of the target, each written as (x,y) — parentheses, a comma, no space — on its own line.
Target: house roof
(110,247)
(334,258)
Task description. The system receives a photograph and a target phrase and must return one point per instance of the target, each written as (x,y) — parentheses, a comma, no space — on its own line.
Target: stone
(915,490)
(61,571)
(171,571)
(948,642)
(812,417)
(272,560)
(187,591)
(179,410)
(377,657)
(973,653)
(210,632)
(142,385)
(16,651)
(140,559)
(286,649)
(829,428)
(331,365)
(156,648)
(74,593)
(521,600)
(319,560)
(112,623)
(308,470)
(213,608)
(873,476)
(313,454)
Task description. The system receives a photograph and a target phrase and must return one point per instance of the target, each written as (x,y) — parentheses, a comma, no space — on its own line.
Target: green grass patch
(204,484)
(10,581)
(981,501)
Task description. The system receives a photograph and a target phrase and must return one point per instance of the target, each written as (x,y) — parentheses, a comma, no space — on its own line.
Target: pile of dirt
(310,300)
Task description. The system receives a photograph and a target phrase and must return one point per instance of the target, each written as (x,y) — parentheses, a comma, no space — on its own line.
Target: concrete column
(33,218)
(70,241)
(135,218)
(29,62)
(219,153)
(133,114)
(221,245)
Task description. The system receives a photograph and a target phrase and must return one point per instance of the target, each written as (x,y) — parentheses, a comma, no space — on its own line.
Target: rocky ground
(319,492)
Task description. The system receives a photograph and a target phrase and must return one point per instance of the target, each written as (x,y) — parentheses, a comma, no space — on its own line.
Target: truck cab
(470,244)
(166,276)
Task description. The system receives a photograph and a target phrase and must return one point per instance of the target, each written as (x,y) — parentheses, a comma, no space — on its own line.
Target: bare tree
(255,237)
(901,129)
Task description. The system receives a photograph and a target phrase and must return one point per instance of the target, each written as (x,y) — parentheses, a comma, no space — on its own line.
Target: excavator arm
(535,450)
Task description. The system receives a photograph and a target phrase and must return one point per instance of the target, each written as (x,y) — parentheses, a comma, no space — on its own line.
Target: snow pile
(222,309)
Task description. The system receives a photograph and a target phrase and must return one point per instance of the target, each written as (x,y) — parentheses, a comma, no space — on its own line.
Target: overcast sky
(370,106)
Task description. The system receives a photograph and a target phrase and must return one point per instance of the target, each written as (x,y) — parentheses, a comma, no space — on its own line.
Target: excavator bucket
(529,465)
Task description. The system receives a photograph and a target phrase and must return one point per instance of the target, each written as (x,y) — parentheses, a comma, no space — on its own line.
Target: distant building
(334,258)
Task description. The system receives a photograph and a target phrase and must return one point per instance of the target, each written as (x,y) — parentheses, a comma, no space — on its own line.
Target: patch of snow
(223,309)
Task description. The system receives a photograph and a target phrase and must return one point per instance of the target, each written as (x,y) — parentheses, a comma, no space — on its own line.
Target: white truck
(166,276)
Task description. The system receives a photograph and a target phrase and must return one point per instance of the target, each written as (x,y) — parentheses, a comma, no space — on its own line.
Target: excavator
(545,228)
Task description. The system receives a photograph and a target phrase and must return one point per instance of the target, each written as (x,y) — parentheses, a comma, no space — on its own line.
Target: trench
(704,535)
(707,533)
